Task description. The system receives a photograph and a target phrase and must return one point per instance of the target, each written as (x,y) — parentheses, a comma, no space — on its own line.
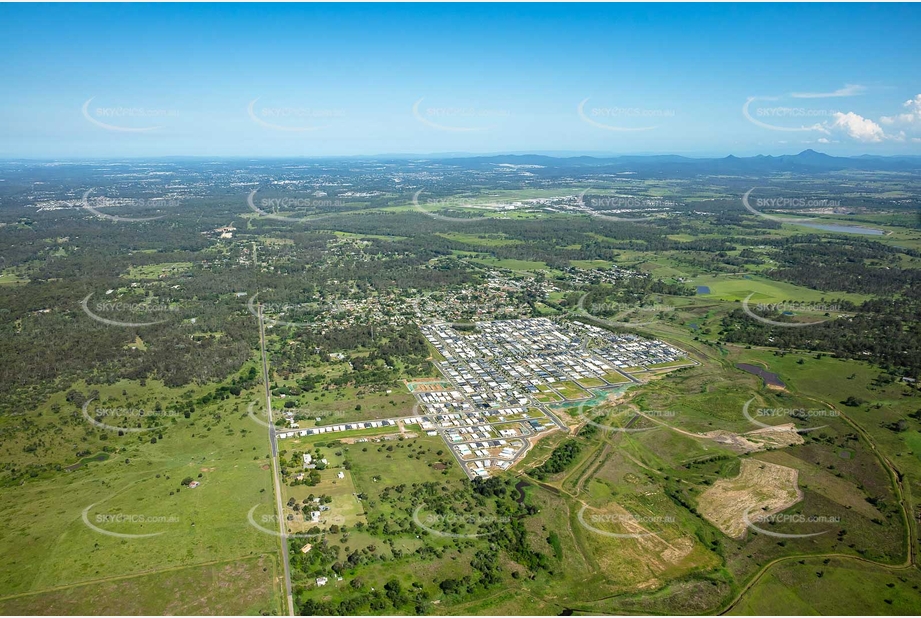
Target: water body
(520,498)
(86,460)
(703,289)
(769,378)
(597,398)
(846,229)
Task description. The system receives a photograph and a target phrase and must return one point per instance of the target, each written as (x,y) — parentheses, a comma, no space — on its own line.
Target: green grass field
(615,377)
(738,287)
(194,590)
(481,240)
(814,587)
(60,526)
(547,397)
(570,390)
(10,277)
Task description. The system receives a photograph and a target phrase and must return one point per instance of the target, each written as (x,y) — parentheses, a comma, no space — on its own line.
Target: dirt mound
(761,489)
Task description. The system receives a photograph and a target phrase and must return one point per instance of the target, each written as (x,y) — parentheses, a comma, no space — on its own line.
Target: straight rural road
(275,473)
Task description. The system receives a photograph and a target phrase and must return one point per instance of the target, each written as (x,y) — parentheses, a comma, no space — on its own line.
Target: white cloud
(913,115)
(860,128)
(849,90)
(851,124)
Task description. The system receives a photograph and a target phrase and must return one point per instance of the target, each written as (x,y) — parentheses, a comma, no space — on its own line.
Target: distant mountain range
(808,161)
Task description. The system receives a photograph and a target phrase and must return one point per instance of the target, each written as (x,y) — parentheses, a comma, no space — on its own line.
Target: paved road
(276,476)
(463,462)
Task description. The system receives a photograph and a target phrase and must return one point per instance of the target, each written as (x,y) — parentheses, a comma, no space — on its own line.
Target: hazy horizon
(448,155)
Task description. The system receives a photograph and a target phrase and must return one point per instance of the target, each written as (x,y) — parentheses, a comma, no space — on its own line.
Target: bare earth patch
(761,489)
(658,552)
(777,436)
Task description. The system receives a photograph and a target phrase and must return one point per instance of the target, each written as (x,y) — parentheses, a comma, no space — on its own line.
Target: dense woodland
(47,341)
(488,507)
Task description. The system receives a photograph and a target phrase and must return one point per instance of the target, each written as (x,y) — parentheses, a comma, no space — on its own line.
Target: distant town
(500,379)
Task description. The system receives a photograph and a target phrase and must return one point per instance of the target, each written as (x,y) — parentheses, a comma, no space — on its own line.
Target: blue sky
(348,79)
